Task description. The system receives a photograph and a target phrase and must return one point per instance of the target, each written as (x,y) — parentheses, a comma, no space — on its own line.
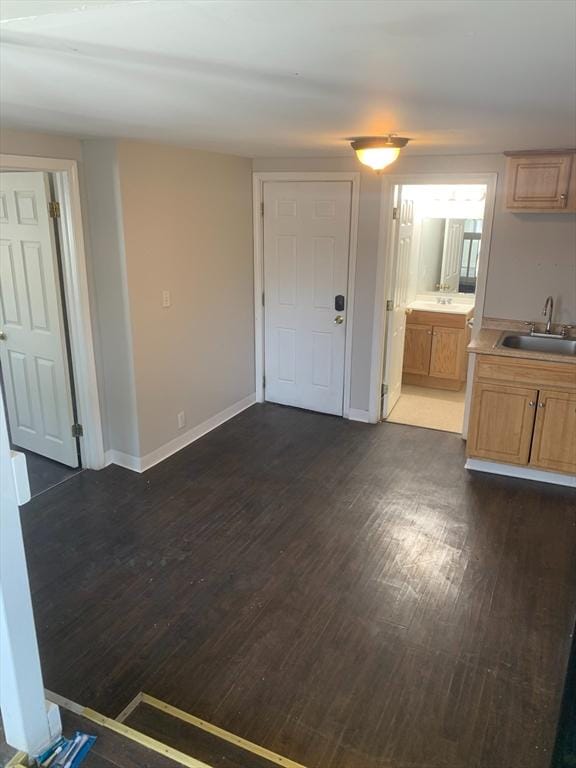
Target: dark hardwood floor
(44,473)
(344,594)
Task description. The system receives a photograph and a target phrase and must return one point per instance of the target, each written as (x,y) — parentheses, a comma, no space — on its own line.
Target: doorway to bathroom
(435,255)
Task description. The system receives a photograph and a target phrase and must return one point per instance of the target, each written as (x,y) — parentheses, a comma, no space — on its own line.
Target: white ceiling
(294,77)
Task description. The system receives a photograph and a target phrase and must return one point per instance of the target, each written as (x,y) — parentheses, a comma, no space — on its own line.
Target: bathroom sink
(539,344)
(436,306)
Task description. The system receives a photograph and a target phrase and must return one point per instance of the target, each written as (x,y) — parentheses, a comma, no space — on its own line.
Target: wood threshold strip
(129,708)
(238,741)
(127,732)
(17,760)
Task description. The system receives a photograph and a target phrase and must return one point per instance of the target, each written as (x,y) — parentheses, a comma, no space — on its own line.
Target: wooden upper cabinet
(417,346)
(447,351)
(501,423)
(554,443)
(541,181)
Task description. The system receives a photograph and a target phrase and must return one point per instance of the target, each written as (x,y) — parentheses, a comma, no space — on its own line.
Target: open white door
(396,306)
(33,351)
(452,254)
(306,252)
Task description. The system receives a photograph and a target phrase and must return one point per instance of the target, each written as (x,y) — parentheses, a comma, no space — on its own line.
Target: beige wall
(188,229)
(39,144)
(531,255)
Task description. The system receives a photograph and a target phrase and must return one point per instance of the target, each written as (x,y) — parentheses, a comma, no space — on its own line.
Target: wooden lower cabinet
(524,412)
(554,443)
(501,423)
(435,349)
(417,347)
(447,353)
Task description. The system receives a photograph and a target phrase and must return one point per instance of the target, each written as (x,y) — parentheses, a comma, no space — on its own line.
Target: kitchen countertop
(485,344)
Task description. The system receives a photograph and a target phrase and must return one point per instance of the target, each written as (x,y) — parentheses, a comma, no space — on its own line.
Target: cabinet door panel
(501,423)
(417,345)
(539,182)
(554,444)
(447,350)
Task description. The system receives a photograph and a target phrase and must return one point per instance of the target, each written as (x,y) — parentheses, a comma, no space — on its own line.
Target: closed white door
(33,342)
(396,309)
(452,254)
(306,253)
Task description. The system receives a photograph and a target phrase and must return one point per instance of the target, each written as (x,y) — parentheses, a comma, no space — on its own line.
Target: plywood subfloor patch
(430,408)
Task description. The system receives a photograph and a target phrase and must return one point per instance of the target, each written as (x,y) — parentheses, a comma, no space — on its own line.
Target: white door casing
(452,254)
(33,355)
(396,325)
(306,243)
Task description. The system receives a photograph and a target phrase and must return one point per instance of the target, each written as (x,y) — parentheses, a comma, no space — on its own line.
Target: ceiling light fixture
(378,151)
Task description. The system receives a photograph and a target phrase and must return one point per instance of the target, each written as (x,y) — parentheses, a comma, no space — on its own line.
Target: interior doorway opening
(434,266)
(35,353)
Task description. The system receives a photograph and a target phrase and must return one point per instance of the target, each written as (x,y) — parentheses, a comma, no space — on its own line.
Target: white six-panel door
(33,343)
(396,322)
(306,254)
(452,254)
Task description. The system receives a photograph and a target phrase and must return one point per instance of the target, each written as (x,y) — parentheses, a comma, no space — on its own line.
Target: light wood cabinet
(539,181)
(446,354)
(524,412)
(502,422)
(554,444)
(435,349)
(417,348)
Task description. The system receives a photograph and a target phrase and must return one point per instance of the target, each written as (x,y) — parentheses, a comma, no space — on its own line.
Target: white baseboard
(122,460)
(525,473)
(141,464)
(356,414)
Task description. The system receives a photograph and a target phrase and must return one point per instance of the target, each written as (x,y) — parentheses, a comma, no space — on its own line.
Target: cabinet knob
(563,196)
(541,405)
(531,403)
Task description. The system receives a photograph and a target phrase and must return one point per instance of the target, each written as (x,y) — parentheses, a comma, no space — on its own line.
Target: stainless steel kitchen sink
(538,344)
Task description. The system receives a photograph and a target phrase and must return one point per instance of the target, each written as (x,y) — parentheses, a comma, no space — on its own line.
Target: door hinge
(54,209)
(77,430)
(384,389)
(389,305)
(262,209)
(263,382)
(263,299)
(395,212)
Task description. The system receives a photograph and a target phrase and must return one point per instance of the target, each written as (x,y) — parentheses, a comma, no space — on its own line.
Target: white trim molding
(258,179)
(75,279)
(356,414)
(141,464)
(383,290)
(525,473)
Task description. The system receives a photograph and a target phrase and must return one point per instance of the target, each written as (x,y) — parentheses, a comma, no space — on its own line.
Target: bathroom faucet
(548,307)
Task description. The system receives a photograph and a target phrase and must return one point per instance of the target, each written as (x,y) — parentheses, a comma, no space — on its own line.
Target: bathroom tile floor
(430,408)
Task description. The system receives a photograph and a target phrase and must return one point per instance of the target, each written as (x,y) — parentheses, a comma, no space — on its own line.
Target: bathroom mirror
(449,255)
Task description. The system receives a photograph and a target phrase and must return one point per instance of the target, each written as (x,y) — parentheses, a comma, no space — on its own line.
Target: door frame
(76,295)
(258,180)
(386,238)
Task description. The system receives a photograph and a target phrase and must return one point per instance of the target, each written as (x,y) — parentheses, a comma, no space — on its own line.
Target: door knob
(3,336)
(338,319)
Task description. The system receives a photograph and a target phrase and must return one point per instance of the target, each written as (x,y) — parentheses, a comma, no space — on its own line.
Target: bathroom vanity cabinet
(435,349)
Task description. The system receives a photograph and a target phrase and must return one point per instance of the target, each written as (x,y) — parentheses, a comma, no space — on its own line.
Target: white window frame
(67,192)
(384,271)
(258,221)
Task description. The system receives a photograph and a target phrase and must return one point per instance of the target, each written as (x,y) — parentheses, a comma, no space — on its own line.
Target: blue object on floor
(67,753)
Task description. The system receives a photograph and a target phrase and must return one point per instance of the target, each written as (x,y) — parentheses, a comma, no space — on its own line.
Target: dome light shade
(378,151)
